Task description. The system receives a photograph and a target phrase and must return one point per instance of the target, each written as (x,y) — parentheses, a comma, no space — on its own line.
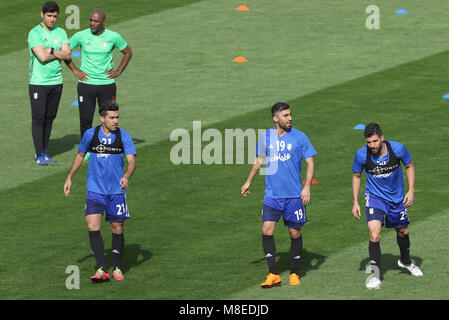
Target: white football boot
(414,270)
(372,282)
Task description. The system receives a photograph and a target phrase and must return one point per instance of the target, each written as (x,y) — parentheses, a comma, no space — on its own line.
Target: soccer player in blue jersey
(107,182)
(385,201)
(283,147)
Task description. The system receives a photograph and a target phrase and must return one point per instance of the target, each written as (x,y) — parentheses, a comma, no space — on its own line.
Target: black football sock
(404,248)
(296,252)
(375,257)
(97,245)
(118,244)
(269,248)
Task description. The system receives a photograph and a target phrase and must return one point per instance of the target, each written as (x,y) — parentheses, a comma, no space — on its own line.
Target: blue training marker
(446,96)
(401,11)
(76,54)
(75,103)
(360,126)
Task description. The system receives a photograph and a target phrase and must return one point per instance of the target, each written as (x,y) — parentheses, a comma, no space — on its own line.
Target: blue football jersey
(284,157)
(386,185)
(106,170)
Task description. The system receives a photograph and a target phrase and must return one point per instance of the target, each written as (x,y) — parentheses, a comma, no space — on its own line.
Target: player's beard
(285,127)
(49,24)
(97,30)
(379,150)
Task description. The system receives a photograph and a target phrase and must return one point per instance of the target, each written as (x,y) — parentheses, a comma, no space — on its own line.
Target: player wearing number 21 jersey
(106,184)
(385,201)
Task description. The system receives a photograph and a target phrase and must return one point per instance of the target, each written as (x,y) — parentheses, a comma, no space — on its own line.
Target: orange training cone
(313,182)
(242,8)
(240,59)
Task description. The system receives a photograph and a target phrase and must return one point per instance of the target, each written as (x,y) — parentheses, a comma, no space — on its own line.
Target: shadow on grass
(133,256)
(64,144)
(389,262)
(309,261)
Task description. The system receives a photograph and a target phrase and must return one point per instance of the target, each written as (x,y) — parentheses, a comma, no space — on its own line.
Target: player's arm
(77,162)
(131,158)
(305,193)
(356,178)
(43,54)
(74,43)
(258,161)
(77,72)
(127,54)
(64,53)
(410,195)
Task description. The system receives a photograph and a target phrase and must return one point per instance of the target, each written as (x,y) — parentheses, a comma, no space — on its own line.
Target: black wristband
(52,50)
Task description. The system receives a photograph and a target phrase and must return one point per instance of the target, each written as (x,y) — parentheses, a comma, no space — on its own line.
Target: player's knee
(294,233)
(38,119)
(117,228)
(93,222)
(403,232)
(93,226)
(267,229)
(374,236)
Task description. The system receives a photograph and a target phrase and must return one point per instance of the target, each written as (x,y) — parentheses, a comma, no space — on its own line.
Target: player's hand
(81,75)
(123,183)
(112,74)
(305,195)
(67,186)
(356,211)
(408,199)
(245,189)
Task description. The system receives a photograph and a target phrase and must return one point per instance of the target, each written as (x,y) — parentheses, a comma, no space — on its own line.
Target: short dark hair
(372,129)
(110,105)
(277,107)
(50,6)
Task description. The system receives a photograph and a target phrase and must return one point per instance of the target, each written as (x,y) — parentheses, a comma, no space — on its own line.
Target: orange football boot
(272,280)
(294,280)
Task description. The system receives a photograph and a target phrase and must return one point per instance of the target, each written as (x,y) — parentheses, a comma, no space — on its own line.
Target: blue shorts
(292,211)
(114,205)
(394,215)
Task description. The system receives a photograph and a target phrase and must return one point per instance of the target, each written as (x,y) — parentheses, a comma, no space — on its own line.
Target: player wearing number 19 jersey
(384,195)
(283,147)
(106,184)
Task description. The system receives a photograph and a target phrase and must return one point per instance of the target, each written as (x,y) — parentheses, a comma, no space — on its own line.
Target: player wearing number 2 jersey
(284,148)
(384,195)
(106,184)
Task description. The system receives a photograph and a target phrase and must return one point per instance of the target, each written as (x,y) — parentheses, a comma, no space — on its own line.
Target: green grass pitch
(191,234)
